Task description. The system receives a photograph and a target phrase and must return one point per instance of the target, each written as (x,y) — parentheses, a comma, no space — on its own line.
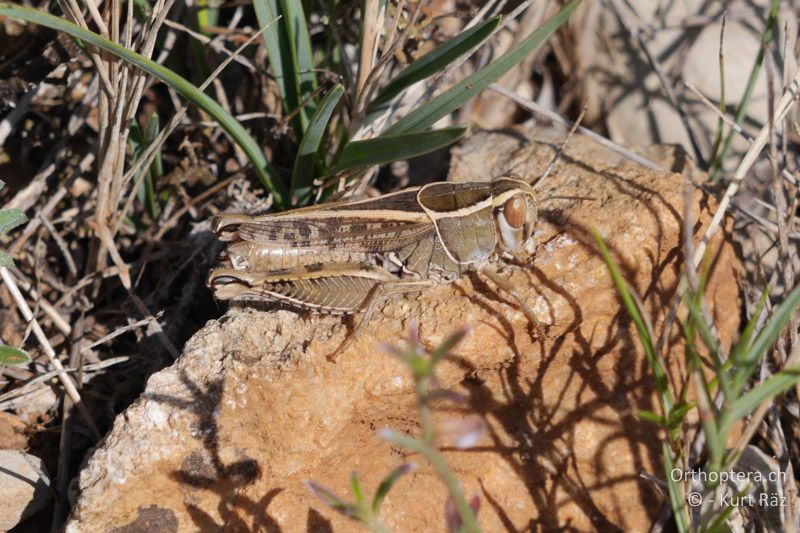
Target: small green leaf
(13,356)
(6,261)
(10,219)
(305,162)
(448,344)
(431,63)
(355,487)
(385,149)
(333,501)
(650,416)
(676,415)
(387,484)
(431,111)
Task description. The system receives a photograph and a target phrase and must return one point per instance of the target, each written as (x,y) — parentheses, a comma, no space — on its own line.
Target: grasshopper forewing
(346,257)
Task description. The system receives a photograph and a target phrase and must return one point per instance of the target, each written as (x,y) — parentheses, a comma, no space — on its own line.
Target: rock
(621,86)
(227,435)
(24,487)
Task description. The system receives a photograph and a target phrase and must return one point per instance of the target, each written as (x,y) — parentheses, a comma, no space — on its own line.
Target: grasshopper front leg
(505,286)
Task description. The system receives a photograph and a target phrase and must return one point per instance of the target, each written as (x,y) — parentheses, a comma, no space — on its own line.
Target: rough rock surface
(225,437)
(24,487)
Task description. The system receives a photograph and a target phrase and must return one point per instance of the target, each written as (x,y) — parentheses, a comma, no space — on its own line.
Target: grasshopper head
(514,212)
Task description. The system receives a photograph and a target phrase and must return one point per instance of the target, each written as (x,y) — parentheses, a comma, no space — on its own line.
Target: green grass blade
(231,126)
(385,149)
(744,102)
(305,162)
(455,97)
(136,144)
(698,319)
(719,524)
(288,47)
(276,41)
(294,19)
(638,320)
(749,330)
(766,338)
(156,168)
(13,356)
(676,502)
(207,16)
(431,63)
(775,385)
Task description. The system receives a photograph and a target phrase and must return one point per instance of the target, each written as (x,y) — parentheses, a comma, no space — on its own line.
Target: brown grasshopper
(348,256)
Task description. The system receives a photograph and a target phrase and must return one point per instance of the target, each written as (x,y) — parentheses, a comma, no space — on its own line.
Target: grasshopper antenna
(560,150)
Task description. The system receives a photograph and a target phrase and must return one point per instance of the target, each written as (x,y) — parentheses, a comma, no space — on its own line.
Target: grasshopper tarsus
(506,287)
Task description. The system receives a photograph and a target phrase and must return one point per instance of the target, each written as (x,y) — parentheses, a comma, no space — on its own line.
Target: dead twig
(69,386)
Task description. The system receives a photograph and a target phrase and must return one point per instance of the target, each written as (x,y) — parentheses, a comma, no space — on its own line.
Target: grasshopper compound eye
(515,211)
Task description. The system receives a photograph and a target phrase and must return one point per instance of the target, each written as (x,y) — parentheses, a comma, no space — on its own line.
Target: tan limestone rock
(226,437)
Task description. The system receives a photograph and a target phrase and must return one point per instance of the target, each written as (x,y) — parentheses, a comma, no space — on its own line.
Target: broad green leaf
(431,63)
(305,162)
(232,127)
(385,149)
(13,356)
(431,111)
(10,219)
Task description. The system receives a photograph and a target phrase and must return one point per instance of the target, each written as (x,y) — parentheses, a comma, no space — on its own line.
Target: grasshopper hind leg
(376,296)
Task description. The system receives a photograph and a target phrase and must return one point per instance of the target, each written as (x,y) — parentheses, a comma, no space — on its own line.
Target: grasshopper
(349,256)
